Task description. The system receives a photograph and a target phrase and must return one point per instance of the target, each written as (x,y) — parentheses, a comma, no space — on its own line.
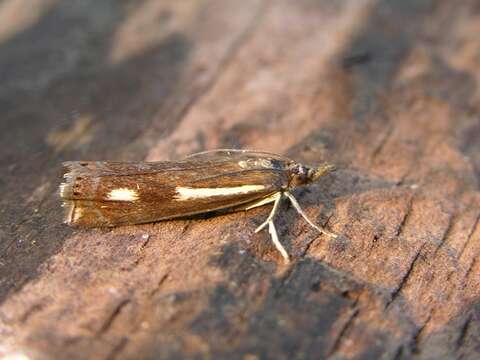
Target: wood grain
(387,90)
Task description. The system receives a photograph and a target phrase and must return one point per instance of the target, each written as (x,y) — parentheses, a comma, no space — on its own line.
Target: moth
(108,194)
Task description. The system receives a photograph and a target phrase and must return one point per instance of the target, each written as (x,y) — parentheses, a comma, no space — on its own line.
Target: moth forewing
(96,196)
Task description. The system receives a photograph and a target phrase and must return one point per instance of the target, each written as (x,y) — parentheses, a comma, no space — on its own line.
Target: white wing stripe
(187,193)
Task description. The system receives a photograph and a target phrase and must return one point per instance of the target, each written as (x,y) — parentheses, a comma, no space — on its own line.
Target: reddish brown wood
(387,90)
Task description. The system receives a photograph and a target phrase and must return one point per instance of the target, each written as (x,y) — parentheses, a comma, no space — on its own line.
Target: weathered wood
(388,90)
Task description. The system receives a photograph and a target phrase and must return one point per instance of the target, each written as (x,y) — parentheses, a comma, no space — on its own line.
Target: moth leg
(297,207)
(260,202)
(276,197)
(276,242)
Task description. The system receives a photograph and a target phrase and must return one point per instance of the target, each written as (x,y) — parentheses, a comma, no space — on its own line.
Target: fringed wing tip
(65,190)
(76,214)
(69,212)
(71,171)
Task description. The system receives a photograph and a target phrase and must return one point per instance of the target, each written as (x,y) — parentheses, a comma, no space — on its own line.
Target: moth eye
(301,173)
(298,170)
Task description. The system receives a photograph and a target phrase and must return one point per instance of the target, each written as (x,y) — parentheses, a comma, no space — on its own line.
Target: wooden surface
(387,90)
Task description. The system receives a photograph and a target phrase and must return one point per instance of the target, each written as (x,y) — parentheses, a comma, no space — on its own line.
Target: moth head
(302,175)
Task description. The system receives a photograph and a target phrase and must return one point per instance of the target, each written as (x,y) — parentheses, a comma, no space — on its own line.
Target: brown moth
(107,194)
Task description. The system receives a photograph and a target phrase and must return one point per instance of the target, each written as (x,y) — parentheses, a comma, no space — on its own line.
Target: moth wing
(111,194)
(195,162)
(105,168)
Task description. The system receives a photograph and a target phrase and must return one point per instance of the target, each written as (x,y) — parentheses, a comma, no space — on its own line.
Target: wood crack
(32,310)
(381,144)
(446,233)
(470,268)
(405,218)
(463,332)
(404,278)
(140,258)
(469,236)
(417,335)
(114,314)
(117,349)
(159,284)
(336,344)
(412,343)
